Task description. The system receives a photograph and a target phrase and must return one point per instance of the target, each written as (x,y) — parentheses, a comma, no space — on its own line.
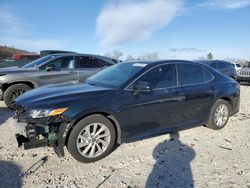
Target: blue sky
(185,29)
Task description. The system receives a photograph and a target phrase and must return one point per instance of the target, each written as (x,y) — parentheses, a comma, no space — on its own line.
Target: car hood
(244,69)
(13,70)
(59,95)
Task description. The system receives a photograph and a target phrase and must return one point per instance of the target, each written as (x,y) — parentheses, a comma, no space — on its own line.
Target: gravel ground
(197,157)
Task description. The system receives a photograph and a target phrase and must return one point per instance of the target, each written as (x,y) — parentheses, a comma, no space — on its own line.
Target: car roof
(211,61)
(112,60)
(159,62)
(78,54)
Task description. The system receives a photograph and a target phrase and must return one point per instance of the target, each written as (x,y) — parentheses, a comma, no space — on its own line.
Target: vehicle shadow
(5,114)
(172,167)
(10,175)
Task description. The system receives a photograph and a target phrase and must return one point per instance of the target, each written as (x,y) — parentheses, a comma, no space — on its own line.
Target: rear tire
(219,115)
(13,92)
(92,139)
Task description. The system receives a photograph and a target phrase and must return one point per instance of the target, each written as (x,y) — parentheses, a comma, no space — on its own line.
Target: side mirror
(142,87)
(50,68)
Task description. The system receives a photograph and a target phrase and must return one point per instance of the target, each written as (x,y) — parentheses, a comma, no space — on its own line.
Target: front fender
(65,129)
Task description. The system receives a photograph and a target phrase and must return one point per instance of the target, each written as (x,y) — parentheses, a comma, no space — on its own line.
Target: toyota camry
(123,103)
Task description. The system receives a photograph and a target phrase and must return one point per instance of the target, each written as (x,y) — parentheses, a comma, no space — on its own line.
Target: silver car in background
(50,69)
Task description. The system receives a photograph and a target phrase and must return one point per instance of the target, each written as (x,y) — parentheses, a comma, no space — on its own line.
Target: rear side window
(87,62)
(213,65)
(208,75)
(160,77)
(223,65)
(193,74)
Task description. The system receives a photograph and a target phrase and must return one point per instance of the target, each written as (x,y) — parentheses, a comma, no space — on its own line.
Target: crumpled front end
(40,132)
(1,91)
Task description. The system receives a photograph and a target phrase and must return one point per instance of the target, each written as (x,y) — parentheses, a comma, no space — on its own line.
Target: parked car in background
(124,103)
(224,67)
(19,60)
(237,66)
(14,63)
(243,75)
(26,56)
(30,66)
(51,69)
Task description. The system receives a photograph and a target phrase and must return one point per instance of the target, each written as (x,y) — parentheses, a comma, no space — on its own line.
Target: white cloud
(186,49)
(228,4)
(14,33)
(31,44)
(126,21)
(9,23)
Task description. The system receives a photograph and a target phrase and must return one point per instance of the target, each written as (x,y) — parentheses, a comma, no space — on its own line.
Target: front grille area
(19,110)
(1,94)
(245,73)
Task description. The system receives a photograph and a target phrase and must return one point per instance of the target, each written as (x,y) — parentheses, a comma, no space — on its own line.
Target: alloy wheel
(14,94)
(221,115)
(93,140)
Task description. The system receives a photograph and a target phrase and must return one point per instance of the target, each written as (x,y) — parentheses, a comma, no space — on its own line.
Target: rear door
(195,81)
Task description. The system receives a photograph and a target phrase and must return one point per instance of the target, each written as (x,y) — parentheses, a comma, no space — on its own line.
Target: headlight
(41,113)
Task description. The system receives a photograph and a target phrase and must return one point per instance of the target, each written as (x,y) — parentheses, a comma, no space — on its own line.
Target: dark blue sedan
(124,103)
(224,67)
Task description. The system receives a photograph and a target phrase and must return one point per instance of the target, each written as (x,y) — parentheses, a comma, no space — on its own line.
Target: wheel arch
(109,116)
(5,86)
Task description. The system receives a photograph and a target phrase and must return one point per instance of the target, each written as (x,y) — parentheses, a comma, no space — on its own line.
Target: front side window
(223,65)
(163,76)
(213,65)
(190,74)
(61,63)
(87,62)
(39,61)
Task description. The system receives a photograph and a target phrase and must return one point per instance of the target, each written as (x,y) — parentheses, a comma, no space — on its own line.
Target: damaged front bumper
(51,131)
(1,92)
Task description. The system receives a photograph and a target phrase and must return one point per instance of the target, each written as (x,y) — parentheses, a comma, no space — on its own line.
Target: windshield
(116,75)
(39,61)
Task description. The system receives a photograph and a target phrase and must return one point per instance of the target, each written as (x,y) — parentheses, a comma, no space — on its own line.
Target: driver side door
(59,70)
(152,112)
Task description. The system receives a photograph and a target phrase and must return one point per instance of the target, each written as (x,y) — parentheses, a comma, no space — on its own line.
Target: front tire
(92,139)
(219,115)
(13,92)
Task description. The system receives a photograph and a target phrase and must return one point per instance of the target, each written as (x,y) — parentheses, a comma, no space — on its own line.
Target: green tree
(210,56)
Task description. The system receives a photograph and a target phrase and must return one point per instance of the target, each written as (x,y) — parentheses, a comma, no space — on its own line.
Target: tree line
(8,52)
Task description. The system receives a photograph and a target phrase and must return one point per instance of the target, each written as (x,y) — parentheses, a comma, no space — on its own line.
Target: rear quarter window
(190,74)
(87,62)
(223,65)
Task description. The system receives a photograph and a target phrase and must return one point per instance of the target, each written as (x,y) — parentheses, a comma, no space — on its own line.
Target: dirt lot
(199,158)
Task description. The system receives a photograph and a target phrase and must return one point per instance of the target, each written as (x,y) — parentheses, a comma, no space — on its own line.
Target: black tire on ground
(212,122)
(9,92)
(79,127)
